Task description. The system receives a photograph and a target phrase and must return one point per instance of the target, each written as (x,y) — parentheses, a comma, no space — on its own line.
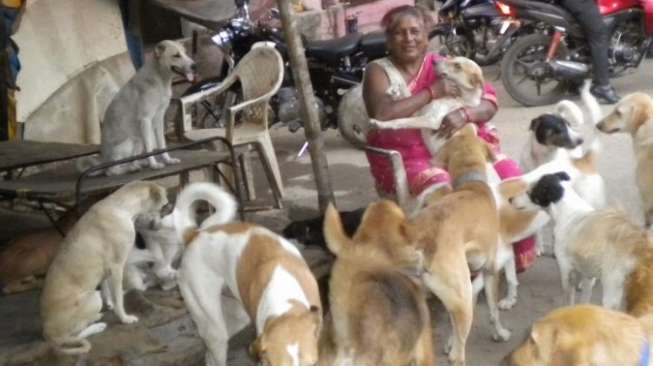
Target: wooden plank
(59,182)
(18,154)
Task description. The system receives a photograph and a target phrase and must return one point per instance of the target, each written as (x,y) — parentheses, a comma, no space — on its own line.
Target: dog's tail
(591,103)
(334,233)
(594,109)
(570,111)
(74,346)
(185,217)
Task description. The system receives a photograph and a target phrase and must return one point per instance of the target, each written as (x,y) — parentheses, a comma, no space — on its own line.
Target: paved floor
(352,184)
(540,289)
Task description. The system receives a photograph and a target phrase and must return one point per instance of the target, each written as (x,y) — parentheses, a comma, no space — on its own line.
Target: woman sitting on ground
(400,85)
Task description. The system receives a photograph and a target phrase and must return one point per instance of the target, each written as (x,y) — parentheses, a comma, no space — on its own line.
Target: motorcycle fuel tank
(610,6)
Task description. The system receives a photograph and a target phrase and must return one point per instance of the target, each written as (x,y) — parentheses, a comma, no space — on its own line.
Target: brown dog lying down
(586,335)
(379,314)
(27,257)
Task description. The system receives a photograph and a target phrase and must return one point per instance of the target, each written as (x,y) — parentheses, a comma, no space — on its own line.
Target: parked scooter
(334,65)
(541,68)
(473,28)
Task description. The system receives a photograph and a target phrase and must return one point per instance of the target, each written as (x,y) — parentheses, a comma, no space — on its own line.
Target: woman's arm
(380,105)
(479,114)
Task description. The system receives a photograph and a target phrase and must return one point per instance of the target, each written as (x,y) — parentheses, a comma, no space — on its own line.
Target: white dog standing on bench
(467,76)
(96,249)
(266,279)
(134,120)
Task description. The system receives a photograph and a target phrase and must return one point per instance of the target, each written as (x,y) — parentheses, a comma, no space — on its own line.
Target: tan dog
(586,335)
(379,313)
(467,76)
(267,281)
(634,114)
(459,232)
(590,335)
(94,250)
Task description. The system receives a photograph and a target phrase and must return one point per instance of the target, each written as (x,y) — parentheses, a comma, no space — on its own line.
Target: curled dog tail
(334,233)
(570,111)
(595,114)
(591,103)
(185,217)
(79,346)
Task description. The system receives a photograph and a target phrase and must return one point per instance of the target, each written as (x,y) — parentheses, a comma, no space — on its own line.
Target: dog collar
(646,354)
(472,176)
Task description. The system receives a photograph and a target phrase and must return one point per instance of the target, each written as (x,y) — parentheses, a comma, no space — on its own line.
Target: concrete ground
(539,291)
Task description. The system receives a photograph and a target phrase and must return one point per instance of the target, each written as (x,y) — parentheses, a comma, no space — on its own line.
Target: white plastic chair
(260,73)
(353,123)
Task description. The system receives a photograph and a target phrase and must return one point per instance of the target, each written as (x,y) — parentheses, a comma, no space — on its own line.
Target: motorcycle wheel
(526,75)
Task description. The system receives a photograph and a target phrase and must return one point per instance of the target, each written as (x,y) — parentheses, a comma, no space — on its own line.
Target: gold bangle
(466,116)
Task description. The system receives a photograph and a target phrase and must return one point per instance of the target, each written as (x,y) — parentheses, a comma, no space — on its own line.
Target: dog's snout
(579,141)
(600,125)
(193,66)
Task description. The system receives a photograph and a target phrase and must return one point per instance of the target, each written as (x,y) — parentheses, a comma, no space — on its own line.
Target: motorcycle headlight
(223,38)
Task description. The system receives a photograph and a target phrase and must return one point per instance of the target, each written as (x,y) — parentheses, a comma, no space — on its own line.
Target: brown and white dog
(586,335)
(634,114)
(467,76)
(95,250)
(267,280)
(379,313)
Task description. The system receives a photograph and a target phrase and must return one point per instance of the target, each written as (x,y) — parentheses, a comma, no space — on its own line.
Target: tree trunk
(309,111)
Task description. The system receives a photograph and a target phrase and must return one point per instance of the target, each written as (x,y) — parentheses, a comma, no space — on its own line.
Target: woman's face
(408,40)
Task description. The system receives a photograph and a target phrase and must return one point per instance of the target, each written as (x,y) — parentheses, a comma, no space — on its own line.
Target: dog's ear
(562,176)
(535,123)
(547,190)
(159,49)
(317,319)
(156,193)
(476,80)
(257,348)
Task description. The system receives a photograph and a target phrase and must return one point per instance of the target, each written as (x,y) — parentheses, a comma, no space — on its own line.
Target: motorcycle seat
(373,44)
(333,49)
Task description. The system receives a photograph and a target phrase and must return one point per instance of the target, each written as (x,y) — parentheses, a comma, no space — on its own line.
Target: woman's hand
(442,87)
(451,123)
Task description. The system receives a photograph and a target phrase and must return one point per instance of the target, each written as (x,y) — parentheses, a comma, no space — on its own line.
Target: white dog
(467,76)
(95,249)
(266,279)
(165,249)
(562,151)
(593,243)
(134,120)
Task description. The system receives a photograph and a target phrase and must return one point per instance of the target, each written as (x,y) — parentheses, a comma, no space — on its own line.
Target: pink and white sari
(417,159)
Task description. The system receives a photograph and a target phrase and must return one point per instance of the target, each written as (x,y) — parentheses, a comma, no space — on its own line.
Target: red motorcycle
(542,67)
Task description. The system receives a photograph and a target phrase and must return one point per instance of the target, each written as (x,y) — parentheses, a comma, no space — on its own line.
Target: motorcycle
(541,68)
(474,29)
(335,65)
